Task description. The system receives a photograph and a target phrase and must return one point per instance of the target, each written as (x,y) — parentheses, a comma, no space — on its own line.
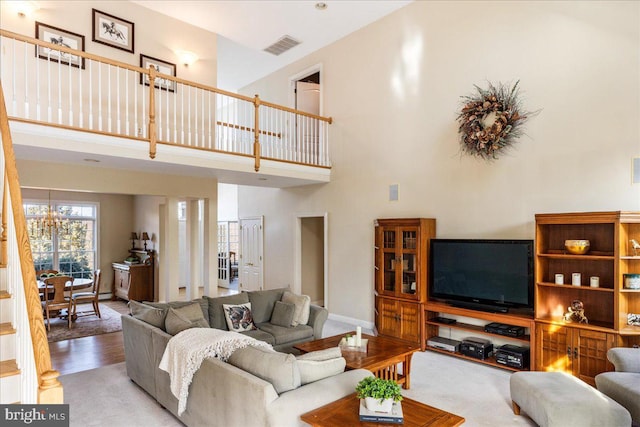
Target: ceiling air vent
(284,44)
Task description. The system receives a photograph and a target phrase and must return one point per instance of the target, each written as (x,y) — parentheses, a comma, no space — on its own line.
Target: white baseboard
(351,321)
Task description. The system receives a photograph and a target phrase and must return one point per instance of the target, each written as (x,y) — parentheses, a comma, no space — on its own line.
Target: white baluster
(59,89)
(118,120)
(182,115)
(127,123)
(109,92)
(159,103)
(80,101)
(99,96)
(175,116)
(38,106)
(70,94)
(50,101)
(26,83)
(90,93)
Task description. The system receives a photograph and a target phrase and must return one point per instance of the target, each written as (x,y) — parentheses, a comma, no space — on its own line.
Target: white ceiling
(247,27)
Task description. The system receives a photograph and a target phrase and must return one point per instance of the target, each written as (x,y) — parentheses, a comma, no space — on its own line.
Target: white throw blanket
(186,351)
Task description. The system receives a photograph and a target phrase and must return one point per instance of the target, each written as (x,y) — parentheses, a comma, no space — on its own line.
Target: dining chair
(88,297)
(45,273)
(233,263)
(56,287)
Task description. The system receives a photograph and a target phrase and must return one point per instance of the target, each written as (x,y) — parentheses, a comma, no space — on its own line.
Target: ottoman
(562,400)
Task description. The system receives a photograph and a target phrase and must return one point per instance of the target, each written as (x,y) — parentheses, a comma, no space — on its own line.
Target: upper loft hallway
(70,107)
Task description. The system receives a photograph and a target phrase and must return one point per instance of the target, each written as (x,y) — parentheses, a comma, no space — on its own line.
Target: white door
(223,254)
(250,262)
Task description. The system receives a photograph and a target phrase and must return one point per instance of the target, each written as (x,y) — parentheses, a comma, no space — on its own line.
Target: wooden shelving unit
(514,317)
(401,259)
(581,348)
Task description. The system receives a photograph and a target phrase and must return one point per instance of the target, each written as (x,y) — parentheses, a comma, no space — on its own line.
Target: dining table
(77,284)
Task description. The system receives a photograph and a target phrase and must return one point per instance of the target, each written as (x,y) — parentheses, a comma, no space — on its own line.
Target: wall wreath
(491,120)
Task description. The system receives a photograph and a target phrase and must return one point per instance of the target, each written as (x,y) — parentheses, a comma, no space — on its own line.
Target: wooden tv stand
(513,317)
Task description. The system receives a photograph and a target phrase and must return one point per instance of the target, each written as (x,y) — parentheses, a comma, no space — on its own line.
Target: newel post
(152,112)
(256,133)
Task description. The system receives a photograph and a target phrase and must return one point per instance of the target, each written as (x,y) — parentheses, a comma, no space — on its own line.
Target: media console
(518,318)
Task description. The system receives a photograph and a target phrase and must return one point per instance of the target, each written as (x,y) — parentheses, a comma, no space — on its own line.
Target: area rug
(85,326)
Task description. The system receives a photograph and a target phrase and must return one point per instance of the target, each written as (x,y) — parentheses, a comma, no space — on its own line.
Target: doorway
(312,252)
(250,264)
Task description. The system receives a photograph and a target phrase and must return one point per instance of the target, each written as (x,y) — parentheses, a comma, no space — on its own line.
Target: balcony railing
(51,84)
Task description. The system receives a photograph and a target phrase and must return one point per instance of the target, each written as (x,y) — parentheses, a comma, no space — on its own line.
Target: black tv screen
(496,273)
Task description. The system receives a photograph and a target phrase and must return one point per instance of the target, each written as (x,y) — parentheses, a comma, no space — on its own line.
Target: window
(70,250)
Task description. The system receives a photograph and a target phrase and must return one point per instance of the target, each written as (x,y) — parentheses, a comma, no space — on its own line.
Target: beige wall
(155,34)
(115,222)
(393,90)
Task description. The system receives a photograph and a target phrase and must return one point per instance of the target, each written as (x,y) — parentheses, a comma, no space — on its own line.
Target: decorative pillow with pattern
(239,317)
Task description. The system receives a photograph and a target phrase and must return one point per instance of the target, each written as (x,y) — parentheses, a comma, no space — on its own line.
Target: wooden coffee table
(382,358)
(345,412)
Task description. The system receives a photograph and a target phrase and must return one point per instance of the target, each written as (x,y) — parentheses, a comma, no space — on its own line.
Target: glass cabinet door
(409,261)
(389,261)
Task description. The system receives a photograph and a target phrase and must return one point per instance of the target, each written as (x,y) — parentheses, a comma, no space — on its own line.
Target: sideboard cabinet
(580,348)
(401,259)
(134,281)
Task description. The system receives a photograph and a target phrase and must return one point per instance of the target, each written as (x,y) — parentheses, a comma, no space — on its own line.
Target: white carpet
(476,392)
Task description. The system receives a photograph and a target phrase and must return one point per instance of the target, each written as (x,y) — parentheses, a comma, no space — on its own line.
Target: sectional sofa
(256,387)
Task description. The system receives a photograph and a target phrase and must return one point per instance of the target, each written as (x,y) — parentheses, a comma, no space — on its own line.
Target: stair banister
(49,389)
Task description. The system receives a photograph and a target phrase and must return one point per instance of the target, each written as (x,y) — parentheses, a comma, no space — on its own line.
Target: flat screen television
(490,275)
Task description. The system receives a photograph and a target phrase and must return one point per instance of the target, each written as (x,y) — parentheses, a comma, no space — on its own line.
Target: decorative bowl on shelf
(577,247)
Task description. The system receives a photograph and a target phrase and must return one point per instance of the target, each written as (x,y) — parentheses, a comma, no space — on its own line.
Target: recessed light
(92,160)
(321,6)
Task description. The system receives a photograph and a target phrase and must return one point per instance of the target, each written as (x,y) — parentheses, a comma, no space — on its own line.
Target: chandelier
(48,223)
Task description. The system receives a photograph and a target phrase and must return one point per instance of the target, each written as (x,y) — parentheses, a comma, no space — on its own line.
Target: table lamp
(145,237)
(134,237)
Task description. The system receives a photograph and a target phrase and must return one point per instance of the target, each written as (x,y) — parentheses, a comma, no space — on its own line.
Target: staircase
(26,375)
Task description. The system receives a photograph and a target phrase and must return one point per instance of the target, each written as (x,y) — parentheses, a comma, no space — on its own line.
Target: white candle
(358,336)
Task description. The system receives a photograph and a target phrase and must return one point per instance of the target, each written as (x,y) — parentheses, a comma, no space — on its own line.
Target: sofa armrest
(625,359)
(317,316)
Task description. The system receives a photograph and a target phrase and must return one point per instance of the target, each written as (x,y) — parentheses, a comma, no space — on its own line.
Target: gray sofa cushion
(149,314)
(204,305)
(282,314)
(625,359)
(283,335)
(320,364)
(280,369)
(216,312)
(302,303)
(624,388)
(189,316)
(260,335)
(262,303)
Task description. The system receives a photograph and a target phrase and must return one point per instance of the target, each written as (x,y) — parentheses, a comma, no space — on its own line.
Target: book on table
(393,417)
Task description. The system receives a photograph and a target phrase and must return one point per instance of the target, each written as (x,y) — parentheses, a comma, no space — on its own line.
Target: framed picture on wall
(112,31)
(161,66)
(63,38)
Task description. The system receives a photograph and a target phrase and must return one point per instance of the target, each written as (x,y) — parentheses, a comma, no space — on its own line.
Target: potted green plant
(378,394)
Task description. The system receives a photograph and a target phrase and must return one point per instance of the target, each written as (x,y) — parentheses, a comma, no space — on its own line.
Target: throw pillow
(146,313)
(302,303)
(189,316)
(239,317)
(216,312)
(282,314)
(279,369)
(204,305)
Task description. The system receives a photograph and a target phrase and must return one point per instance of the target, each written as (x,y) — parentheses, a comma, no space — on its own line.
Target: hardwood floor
(82,354)
(86,353)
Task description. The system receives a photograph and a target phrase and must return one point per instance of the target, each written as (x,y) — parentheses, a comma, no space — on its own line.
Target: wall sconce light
(134,237)
(25,8)
(186,57)
(145,237)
